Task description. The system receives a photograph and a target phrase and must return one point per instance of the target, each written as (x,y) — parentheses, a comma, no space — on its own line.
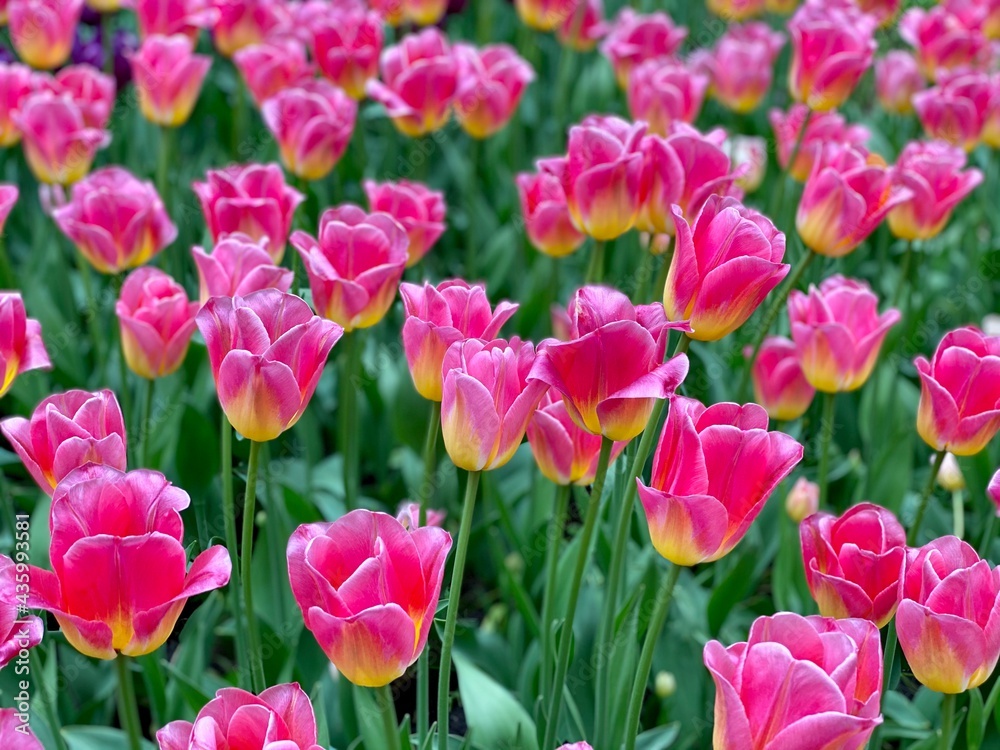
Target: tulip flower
(897,79)
(14,732)
(354,266)
(105,526)
(933,173)
(565,453)
(602,175)
(779,385)
(634,38)
(17,83)
(282,716)
(371,630)
(117,221)
(408,514)
(844,200)
(243,23)
(252,199)
(393,12)
(582,29)
(273,66)
(42,31)
(993,491)
(66,431)
(957,110)
(611,372)
(168,76)
(802,500)
(267,352)
(92,91)
(169,17)
(725,263)
(58,144)
(948,619)
(748,155)
(662,91)
(347,43)
(21,346)
(832,47)
(236,267)
(949,476)
(576,746)
(942,42)
(713,470)
(8,197)
(796,682)
(156,320)
(312,124)
(437,317)
(838,332)
(736,10)
(491,82)
(742,64)
(960,392)
(424,12)
(544,15)
(822,128)
(854,563)
(415,207)
(17,633)
(488,395)
(547,220)
(419,83)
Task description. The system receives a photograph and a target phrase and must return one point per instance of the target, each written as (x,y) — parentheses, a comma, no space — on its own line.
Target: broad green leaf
(491,712)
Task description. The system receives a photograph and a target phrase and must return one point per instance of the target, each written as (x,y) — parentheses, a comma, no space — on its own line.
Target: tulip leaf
(731,591)
(975,728)
(99,738)
(491,712)
(659,738)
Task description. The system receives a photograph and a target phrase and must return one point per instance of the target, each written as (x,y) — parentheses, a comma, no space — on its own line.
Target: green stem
(556,530)
(918,520)
(277,535)
(987,540)
(663,597)
(90,306)
(826,437)
(7,280)
(349,374)
(246,571)
(888,662)
(472,247)
(108,42)
(947,720)
(958,514)
(904,273)
(145,429)
(128,708)
(229,522)
(423,666)
(387,707)
(565,72)
(595,269)
(164,166)
(451,619)
(582,557)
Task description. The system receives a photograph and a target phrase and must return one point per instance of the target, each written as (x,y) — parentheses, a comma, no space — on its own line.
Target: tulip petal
(372,648)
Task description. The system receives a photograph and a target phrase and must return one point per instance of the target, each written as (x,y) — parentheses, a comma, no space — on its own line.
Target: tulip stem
(987,540)
(557,528)
(582,557)
(229,522)
(423,666)
(958,514)
(128,708)
(90,306)
(595,269)
(947,720)
(349,376)
(888,662)
(451,619)
(825,439)
(387,707)
(145,427)
(246,560)
(108,42)
(918,520)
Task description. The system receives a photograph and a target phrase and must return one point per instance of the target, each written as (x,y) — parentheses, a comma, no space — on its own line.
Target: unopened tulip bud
(665,685)
(950,474)
(803,500)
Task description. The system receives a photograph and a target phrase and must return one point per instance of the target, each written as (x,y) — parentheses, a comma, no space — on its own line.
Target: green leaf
(975,729)
(493,715)
(731,591)
(99,738)
(660,738)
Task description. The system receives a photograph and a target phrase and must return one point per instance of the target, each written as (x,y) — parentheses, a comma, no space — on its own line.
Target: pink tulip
(168,76)
(990,135)
(582,29)
(960,392)
(725,263)
(21,346)
(273,66)
(415,207)
(243,23)
(957,110)
(662,91)
(832,47)
(748,155)
(117,221)
(169,17)
(545,15)
(823,128)
(355,265)
(854,564)
(408,514)
(393,12)
(346,46)
(742,65)
(419,83)
(948,619)
(845,199)
(281,717)
(15,732)
(897,79)
(635,38)
(267,352)
(802,500)
(488,395)
(119,577)
(491,82)
(736,10)
(602,175)
(18,632)
(17,83)
(933,173)
(8,197)
(993,491)
(92,90)
(565,453)
(252,199)
(779,385)
(67,431)
(546,215)
(58,144)
(156,320)
(942,42)
(238,266)
(611,372)
(838,332)
(42,31)
(424,12)
(797,682)
(576,746)
(368,589)
(713,470)
(437,317)
(982,15)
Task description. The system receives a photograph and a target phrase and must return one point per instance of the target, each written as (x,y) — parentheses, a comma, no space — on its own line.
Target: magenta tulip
(741,65)
(169,17)
(168,76)
(243,23)
(347,43)
(779,385)
(92,90)
(271,67)
(21,346)
(897,79)
(823,128)
(634,38)
(957,109)
(942,42)
(236,267)
(546,215)
(42,31)
(58,144)
(17,83)
(582,29)
(491,82)
(18,631)
(662,91)
(802,500)
(415,207)
(15,732)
